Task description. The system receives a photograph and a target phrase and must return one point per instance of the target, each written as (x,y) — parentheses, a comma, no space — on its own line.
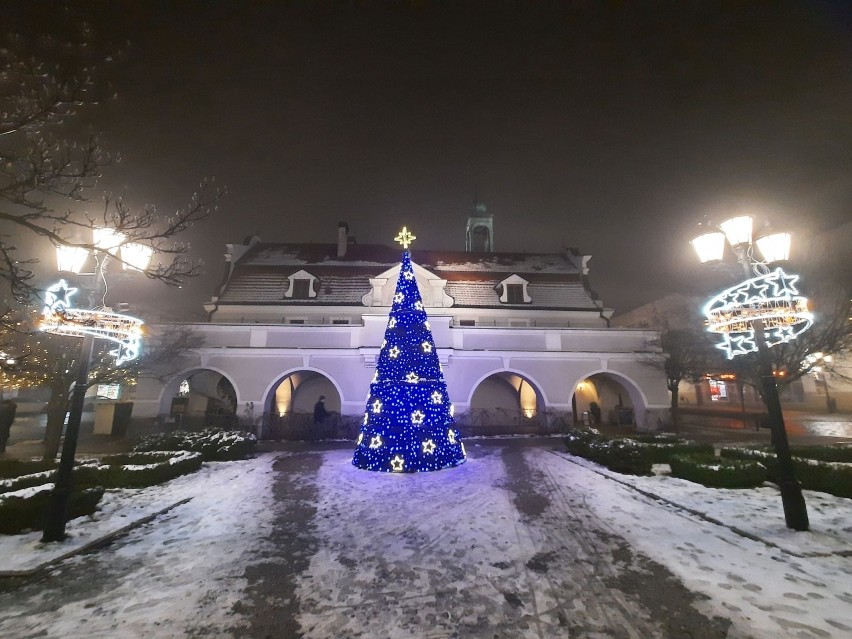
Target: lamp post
(90,325)
(744,312)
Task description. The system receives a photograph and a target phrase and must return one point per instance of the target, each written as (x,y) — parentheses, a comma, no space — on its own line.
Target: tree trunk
(674,389)
(57,408)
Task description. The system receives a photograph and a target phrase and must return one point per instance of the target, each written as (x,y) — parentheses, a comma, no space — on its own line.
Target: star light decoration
(60,317)
(408,424)
(772,299)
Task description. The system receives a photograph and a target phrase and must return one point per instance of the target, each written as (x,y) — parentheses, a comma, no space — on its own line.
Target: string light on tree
(415,425)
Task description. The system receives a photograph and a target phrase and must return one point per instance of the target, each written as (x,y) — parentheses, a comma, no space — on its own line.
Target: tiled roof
(260,277)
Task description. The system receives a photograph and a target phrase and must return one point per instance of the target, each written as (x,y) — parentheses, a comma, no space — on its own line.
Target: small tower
(479,235)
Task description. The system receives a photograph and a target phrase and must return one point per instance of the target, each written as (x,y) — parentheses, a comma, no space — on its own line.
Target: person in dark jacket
(8,408)
(320,413)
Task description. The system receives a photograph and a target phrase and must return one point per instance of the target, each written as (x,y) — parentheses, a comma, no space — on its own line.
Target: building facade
(522,338)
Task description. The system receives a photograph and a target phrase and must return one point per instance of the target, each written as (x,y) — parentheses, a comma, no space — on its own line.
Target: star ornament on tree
(405,238)
(428,447)
(417,417)
(412,378)
(397,464)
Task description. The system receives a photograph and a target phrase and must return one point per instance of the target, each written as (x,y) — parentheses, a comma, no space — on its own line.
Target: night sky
(609,127)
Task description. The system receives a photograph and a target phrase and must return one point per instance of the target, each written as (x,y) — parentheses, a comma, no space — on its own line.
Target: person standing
(8,408)
(320,413)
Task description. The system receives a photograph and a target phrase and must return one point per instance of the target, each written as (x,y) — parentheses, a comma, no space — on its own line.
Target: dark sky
(609,127)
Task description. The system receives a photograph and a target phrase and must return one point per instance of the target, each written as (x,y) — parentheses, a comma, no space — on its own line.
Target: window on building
(718,390)
(467,322)
(340,321)
(514,293)
(301,289)
(296,321)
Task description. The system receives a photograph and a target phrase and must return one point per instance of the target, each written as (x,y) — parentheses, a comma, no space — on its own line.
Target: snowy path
(477,552)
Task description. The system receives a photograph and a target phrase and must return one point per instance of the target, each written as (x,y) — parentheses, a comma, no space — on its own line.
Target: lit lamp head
(774,247)
(738,230)
(710,247)
(107,239)
(136,256)
(71,259)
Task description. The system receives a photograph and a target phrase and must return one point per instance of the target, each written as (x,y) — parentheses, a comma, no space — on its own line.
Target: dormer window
(301,287)
(513,290)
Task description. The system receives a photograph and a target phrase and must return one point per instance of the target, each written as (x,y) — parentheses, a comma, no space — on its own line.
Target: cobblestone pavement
(359,562)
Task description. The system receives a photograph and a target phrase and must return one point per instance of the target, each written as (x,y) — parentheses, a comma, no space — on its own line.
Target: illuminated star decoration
(360,438)
(771,299)
(409,387)
(61,318)
(57,298)
(405,238)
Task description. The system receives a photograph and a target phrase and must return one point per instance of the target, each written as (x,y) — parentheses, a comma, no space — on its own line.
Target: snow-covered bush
(18,467)
(630,455)
(214,444)
(137,470)
(718,472)
(834,478)
(24,509)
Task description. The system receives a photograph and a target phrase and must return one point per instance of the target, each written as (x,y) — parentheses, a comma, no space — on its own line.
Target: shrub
(828,477)
(26,510)
(718,472)
(839,453)
(619,455)
(17,467)
(213,444)
(138,470)
(25,481)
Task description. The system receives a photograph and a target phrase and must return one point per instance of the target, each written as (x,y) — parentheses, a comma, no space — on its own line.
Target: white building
(522,338)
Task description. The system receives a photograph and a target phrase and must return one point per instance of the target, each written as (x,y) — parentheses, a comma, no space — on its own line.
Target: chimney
(342,238)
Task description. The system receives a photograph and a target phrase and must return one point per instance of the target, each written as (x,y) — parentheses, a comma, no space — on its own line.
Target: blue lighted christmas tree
(408,423)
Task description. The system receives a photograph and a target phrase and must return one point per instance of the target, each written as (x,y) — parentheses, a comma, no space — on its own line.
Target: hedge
(26,512)
(630,455)
(17,467)
(137,470)
(714,472)
(214,444)
(833,478)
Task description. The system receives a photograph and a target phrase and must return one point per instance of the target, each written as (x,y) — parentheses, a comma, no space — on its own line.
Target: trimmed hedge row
(137,470)
(718,472)
(26,512)
(17,467)
(630,455)
(214,444)
(829,477)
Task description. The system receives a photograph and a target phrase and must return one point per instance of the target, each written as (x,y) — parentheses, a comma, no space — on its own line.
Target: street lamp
(60,317)
(762,311)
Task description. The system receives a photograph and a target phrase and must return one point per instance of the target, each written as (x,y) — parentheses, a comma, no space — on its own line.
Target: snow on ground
(184,570)
(485,549)
(765,591)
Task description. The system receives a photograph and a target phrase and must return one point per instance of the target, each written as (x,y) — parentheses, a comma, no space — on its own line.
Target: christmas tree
(408,422)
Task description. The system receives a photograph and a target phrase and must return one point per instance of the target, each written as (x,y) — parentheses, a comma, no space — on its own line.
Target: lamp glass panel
(775,247)
(71,259)
(136,256)
(710,246)
(108,239)
(738,229)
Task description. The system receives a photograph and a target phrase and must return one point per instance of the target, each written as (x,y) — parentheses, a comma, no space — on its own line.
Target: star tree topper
(405,238)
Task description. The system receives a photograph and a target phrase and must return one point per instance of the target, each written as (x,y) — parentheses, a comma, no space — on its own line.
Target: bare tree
(47,360)
(47,181)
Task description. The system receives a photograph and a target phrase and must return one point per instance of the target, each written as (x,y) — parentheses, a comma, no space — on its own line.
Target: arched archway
(290,402)
(199,398)
(608,398)
(505,402)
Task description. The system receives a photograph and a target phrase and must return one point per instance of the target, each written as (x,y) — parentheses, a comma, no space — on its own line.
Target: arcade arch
(607,398)
(506,401)
(199,398)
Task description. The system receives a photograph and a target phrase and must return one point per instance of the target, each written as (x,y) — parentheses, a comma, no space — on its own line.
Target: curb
(100,541)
